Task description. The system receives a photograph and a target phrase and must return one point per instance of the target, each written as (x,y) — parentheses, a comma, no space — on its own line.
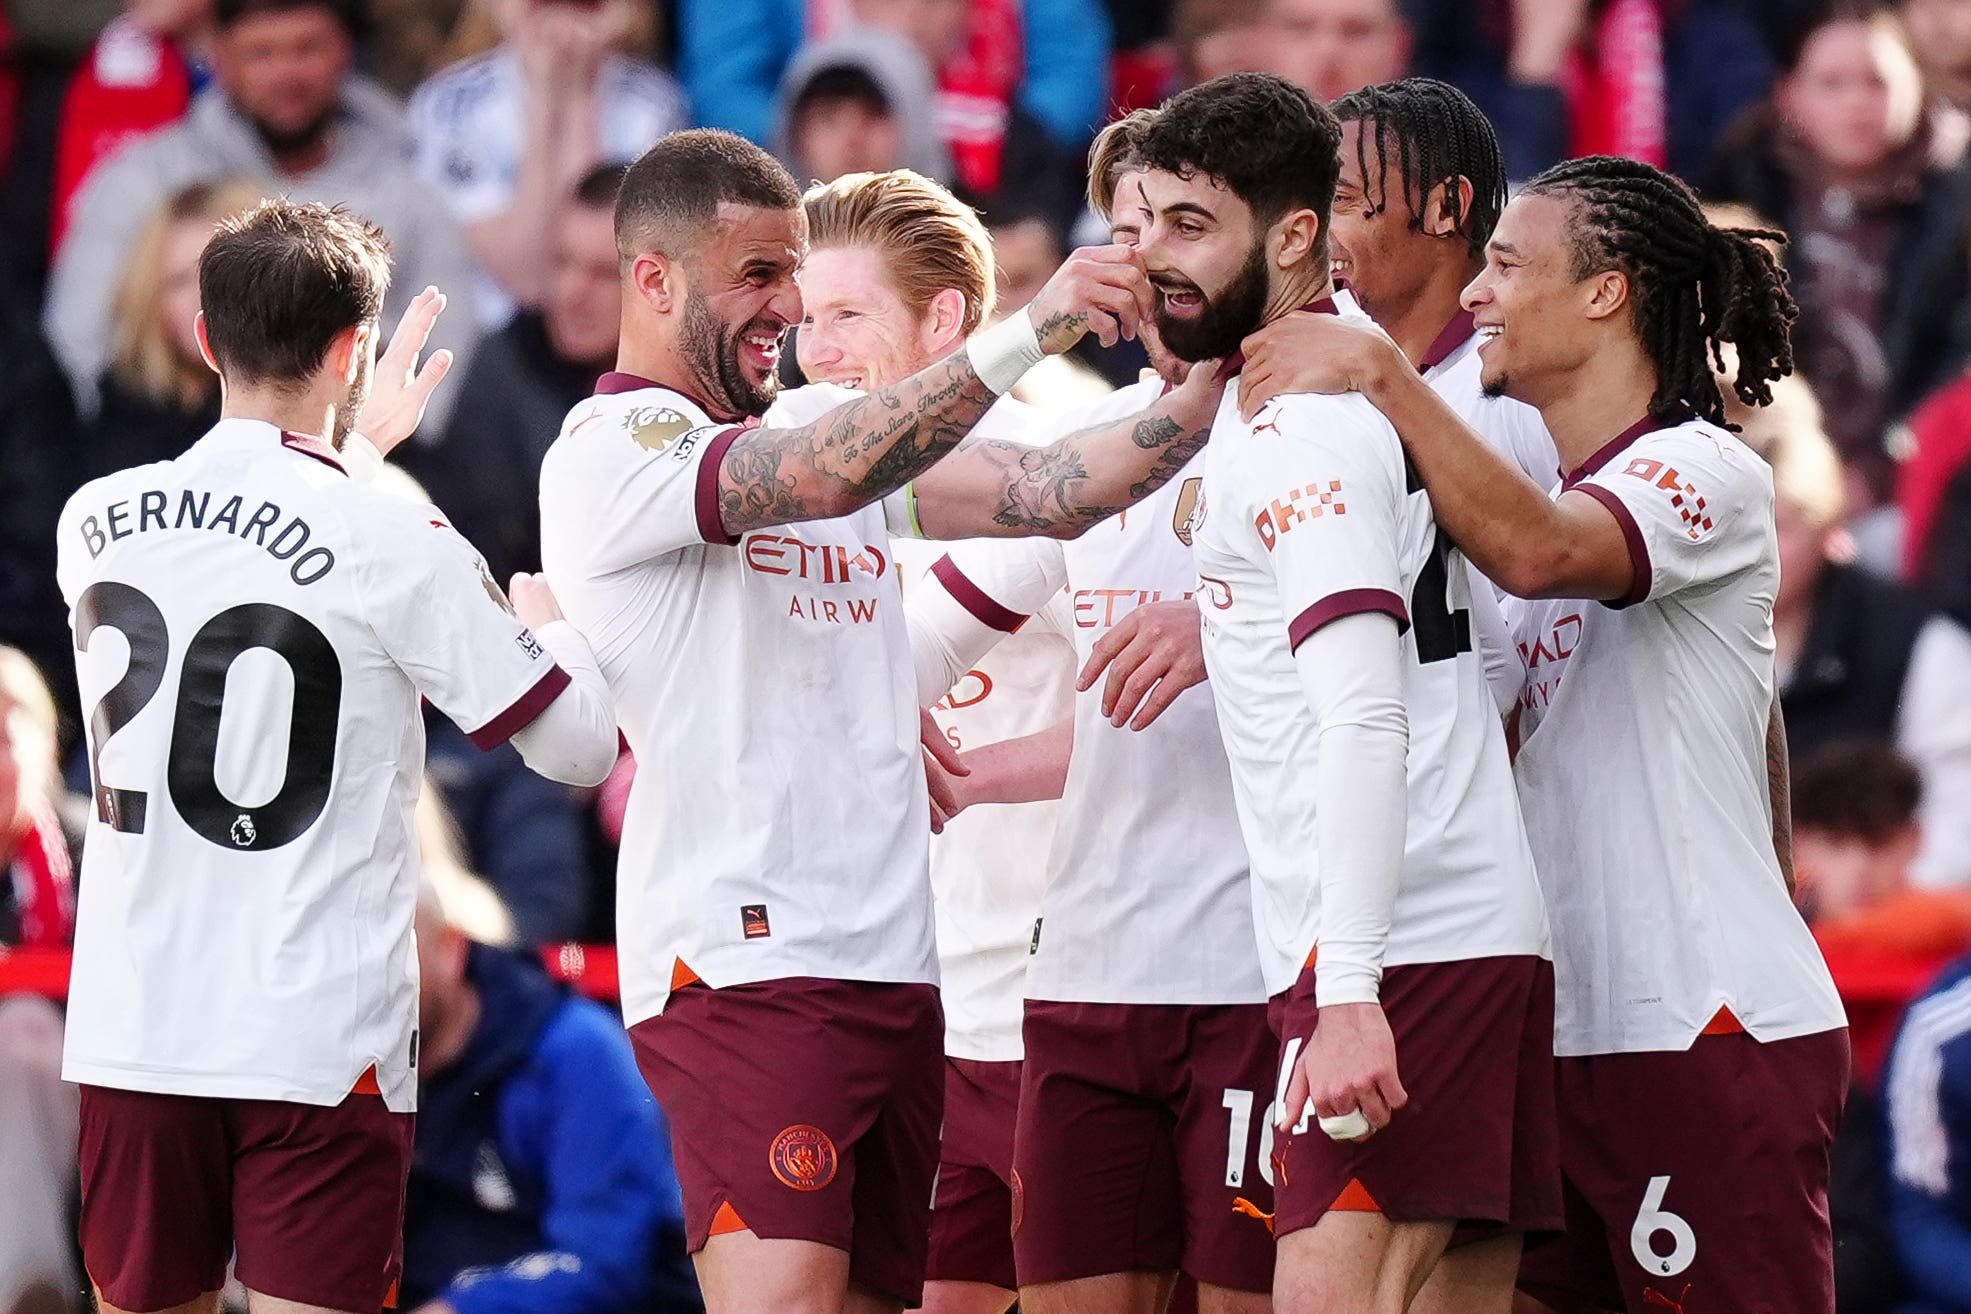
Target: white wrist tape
(1002,354)
(1350,1126)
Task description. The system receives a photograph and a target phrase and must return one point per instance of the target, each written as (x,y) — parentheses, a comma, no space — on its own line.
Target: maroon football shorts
(312,1197)
(1476,1143)
(808,1110)
(1697,1180)
(972,1217)
(1140,1131)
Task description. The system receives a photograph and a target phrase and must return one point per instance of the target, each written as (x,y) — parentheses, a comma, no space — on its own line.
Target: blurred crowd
(487,136)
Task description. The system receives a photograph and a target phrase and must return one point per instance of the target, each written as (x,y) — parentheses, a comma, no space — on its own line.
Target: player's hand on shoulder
(944,772)
(1098,289)
(401,389)
(533,601)
(1153,655)
(1309,352)
(1349,1066)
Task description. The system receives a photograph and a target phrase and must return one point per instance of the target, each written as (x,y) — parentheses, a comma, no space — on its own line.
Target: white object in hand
(1350,1126)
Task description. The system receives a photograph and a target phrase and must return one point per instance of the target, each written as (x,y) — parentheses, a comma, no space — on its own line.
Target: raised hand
(1098,289)
(400,389)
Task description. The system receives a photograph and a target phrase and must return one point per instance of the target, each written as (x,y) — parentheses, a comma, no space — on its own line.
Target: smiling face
(740,299)
(1206,257)
(1855,95)
(1529,307)
(1378,244)
(859,331)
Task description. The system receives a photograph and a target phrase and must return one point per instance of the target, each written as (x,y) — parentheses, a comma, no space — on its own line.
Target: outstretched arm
(857,453)
(991,488)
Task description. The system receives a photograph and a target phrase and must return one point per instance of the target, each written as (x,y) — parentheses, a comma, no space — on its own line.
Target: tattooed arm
(990,488)
(1779,780)
(858,452)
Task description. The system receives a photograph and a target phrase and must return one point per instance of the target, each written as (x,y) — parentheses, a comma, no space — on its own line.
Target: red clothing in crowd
(43,884)
(132,83)
(1941,428)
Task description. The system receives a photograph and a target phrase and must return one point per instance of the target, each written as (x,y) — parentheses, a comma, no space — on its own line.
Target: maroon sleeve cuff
(1640,575)
(521,715)
(711,526)
(1348,602)
(973,598)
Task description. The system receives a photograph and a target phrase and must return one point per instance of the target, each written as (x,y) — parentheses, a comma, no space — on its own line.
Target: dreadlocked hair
(1695,286)
(1432,134)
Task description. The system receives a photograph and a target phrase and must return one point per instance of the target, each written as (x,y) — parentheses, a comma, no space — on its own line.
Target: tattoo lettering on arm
(853,455)
(1779,781)
(1061,490)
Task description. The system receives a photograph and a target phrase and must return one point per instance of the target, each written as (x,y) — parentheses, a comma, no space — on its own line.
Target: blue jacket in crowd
(542,1181)
(1927,1094)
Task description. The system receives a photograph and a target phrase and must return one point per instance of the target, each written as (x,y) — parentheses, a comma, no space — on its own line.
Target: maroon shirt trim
(616,381)
(1460,328)
(1615,446)
(309,445)
(974,599)
(1348,602)
(711,525)
(1638,546)
(1237,360)
(521,715)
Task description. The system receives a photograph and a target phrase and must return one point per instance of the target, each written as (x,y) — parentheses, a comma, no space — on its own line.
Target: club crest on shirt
(656,427)
(803,1157)
(1190,510)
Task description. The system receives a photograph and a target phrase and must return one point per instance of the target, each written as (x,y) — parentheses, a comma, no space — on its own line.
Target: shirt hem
(1764,1033)
(231,1086)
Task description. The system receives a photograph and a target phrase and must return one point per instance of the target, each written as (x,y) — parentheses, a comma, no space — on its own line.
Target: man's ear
(204,343)
(1607,294)
(346,351)
(1297,238)
(1438,219)
(944,320)
(659,281)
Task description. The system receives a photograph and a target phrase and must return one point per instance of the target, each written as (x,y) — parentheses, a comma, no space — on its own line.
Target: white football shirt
(1308,514)
(778,825)
(989,866)
(254,632)
(1147,898)
(1642,762)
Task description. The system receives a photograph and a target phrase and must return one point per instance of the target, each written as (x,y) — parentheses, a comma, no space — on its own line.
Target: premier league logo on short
(244,831)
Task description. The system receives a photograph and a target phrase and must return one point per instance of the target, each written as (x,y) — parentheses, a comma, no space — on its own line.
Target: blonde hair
(27,710)
(929,239)
(1114,154)
(468,903)
(143,356)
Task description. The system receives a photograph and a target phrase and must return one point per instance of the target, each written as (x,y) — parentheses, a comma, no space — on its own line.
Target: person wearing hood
(541,1180)
(861,101)
(287,112)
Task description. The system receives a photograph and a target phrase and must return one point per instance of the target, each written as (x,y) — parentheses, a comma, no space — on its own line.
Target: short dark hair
(1430,134)
(600,186)
(346,12)
(279,282)
(835,83)
(1860,788)
(1272,144)
(670,197)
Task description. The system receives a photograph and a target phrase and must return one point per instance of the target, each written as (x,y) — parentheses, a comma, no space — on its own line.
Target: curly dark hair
(1273,145)
(1695,286)
(1432,134)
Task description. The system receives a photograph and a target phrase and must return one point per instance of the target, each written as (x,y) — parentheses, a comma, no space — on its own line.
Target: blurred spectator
(37,907)
(1656,79)
(139,76)
(158,395)
(861,101)
(1216,37)
(1927,1097)
(1843,157)
(542,1180)
(483,469)
(1028,245)
(409,40)
(1006,68)
(507,134)
(1860,656)
(37,427)
(1941,32)
(287,112)
(1333,47)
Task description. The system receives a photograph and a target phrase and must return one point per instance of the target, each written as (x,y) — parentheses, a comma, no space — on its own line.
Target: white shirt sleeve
(1933,727)
(1695,505)
(1505,665)
(432,604)
(574,739)
(972,597)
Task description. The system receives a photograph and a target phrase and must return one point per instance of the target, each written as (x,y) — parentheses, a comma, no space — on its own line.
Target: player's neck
(1606,395)
(1416,321)
(1296,290)
(307,413)
(664,365)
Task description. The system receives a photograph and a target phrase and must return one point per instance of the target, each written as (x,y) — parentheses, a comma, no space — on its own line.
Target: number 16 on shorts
(1652,1221)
